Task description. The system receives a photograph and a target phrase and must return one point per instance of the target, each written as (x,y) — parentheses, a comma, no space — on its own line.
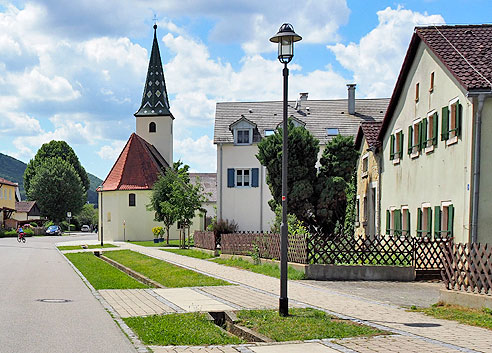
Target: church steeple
(154,100)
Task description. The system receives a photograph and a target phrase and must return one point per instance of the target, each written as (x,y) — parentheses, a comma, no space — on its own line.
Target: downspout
(219,171)
(261,197)
(476,168)
(378,208)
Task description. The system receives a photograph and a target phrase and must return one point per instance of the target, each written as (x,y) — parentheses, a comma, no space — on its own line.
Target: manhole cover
(54,300)
(422,324)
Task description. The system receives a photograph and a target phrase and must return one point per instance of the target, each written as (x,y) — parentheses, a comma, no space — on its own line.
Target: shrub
(223,227)
(48,224)
(294,225)
(64,226)
(34,224)
(28,231)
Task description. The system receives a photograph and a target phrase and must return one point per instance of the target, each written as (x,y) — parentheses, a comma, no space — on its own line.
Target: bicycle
(21,237)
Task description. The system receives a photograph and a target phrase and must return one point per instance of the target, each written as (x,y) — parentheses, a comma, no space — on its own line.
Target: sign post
(69,216)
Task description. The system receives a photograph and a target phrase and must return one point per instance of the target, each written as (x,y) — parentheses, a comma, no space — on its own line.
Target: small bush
(34,224)
(28,231)
(48,224)
(223,227)
(8,233)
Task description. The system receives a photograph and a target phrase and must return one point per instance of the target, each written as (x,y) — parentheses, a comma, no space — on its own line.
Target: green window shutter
(434,129)
(424,133)
(401,144)
(388,222)
(419,142)
(392,147)
(437,222)
(408,224)
(445,123)
(459,118)
(419,222)
(429,222)
(255,177)
(450,220)
(397,225)
(410,138)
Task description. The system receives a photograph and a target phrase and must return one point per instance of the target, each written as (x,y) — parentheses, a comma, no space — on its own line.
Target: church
(127,189)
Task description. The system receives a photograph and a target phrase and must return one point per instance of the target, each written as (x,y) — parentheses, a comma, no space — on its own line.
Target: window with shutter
(255,177)
(444,124)
(415,137)
(447,220)
(453,122)
(392,147)
(230,177)
(419,222)
(400,144)
(437,222)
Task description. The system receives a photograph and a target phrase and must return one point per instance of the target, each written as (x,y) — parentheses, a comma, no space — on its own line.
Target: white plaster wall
(445,173)
(138,221)
(485,199)
(162,138)
(245,205)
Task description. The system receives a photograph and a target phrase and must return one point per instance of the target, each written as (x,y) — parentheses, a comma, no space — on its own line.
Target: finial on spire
(155,21)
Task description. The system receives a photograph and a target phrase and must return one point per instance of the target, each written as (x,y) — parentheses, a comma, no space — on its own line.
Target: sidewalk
(415,332)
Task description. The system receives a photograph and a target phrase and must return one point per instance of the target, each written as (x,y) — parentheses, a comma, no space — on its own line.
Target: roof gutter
(476,162)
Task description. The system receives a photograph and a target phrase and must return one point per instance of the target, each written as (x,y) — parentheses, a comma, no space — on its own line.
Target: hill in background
(12,169)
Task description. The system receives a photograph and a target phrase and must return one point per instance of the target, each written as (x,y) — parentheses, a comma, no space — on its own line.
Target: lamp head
(285,38)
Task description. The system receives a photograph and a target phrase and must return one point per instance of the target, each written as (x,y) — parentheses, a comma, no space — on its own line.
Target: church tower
(154,118)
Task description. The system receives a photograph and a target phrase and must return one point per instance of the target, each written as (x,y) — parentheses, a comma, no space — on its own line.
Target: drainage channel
(54,301)
(227,320)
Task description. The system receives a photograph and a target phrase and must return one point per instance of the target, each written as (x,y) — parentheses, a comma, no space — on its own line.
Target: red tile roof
(465,50)
(7,182)
(369,130)
(137,167)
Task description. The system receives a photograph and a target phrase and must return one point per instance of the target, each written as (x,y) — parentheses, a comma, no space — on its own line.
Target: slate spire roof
(137,167)
(154,100)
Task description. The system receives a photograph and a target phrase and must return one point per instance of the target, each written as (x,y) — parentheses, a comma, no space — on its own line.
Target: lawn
(78,247)
(473,317)
(271,270)
(191,253)
(101,274)
(179,329)
(172,243)
(302,324)
(162,272)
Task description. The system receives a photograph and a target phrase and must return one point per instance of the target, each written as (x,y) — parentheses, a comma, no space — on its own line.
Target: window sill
(452,141)
(242,144)
(429,149)
(415,155)
(396,161)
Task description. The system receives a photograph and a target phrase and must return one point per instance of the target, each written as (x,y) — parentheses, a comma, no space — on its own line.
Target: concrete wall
(485,201)
(367,186)
(441,175)
(162,138)
(247,206)
(114,209)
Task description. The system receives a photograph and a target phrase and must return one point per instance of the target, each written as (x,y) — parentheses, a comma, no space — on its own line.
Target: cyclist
(21,235)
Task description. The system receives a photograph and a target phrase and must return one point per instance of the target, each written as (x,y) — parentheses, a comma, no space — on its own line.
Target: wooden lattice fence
(204,240)
(265,245)
(468,267)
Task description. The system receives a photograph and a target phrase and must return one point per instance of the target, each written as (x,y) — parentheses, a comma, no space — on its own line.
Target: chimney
(302,98)
(351,98)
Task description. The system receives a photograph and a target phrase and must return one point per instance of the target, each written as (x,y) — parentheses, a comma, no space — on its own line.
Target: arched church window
(152,127)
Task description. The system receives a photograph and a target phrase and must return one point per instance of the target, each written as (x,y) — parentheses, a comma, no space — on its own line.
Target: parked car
(85,228)
(53,230)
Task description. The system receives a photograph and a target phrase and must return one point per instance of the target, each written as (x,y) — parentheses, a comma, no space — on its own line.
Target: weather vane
(155,19)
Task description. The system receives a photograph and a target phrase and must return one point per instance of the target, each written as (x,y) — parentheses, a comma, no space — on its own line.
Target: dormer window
(152,127)
(243,136)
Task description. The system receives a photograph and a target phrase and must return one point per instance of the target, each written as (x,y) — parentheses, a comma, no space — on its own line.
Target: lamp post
(285,39)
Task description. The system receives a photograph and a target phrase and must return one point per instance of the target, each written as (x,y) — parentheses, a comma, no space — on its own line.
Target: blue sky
(77,73)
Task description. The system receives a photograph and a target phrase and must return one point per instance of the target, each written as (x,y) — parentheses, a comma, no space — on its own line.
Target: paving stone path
(412,332)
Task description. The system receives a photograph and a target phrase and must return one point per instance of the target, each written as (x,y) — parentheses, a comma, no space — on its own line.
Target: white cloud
(112,151)
(15,124)
(377,58)
(200,153)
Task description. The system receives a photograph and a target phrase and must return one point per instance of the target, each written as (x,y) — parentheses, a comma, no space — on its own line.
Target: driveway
(35,271)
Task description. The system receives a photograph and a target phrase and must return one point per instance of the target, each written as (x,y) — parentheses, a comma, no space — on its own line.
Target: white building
(436,137)
(242,192)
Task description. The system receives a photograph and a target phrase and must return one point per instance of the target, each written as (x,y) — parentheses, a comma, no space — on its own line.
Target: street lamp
(285,39)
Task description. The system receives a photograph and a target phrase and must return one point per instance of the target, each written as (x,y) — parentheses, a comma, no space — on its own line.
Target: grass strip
(191,253)
(78,247)
(302,324)
(101,274)
(271,270)
(468,316)
(150,243)
(162,272)
(179,329)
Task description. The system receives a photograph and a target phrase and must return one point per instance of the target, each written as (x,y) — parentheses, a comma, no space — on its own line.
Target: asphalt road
(33,271)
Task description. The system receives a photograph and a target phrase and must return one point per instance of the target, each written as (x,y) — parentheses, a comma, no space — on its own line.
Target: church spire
(154,100)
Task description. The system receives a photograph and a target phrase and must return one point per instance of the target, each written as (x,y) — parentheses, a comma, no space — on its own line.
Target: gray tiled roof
(322,114)
(209,183)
